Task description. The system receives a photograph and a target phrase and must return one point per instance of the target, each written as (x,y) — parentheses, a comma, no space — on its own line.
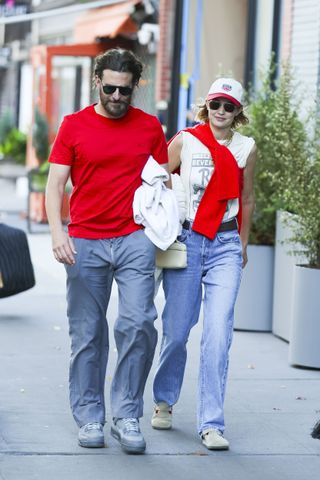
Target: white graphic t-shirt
(197,167)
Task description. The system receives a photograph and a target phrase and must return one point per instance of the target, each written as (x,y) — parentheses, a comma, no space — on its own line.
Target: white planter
(284,264)
(304,348)
(253,309)
(22,187)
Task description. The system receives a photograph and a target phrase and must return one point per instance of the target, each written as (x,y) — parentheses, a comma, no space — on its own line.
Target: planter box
(304,347)
(284,264)
(37,208)
(253,309)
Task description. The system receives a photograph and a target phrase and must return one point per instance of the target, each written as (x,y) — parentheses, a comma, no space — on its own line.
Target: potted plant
(280,139)
(305,331)
(6,125)
(14,145)
(13,142)
(40,136)
(37,177)
(291,156)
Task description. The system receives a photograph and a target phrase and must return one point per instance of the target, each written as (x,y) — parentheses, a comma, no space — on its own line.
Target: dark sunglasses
(125,91)
(215,105)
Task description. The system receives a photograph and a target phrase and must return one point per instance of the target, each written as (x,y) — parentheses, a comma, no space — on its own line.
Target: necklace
(227,141)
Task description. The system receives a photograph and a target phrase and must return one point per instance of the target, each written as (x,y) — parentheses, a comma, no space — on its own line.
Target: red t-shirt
(106,157)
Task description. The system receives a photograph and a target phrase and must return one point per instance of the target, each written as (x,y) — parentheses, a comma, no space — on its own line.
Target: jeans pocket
(231,236)
(184,235)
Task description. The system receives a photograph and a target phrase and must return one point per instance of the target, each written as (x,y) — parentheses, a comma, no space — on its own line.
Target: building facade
(47,47)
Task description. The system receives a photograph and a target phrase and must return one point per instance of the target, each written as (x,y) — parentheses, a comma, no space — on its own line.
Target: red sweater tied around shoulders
(225,184)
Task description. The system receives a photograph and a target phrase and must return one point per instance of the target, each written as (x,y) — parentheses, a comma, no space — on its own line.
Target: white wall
(223,41)
(263,43)
(305,49)
(25,105)
(54,29)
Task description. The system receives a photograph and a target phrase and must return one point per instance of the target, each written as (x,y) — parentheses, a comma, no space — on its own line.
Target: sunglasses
(125,91)
(215,105)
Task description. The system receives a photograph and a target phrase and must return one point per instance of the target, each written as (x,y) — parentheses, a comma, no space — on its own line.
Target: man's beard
(115,109)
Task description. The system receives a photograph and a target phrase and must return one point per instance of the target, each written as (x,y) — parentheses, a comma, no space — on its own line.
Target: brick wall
(286,29)
(165,49)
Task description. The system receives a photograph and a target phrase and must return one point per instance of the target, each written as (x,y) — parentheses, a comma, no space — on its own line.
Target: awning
(107,21)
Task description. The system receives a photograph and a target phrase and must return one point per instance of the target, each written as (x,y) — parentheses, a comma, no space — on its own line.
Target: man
(103,148)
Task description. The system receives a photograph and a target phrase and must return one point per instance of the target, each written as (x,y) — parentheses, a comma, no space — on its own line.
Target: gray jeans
(130,260)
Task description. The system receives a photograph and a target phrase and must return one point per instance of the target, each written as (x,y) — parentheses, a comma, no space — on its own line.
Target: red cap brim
(224,95)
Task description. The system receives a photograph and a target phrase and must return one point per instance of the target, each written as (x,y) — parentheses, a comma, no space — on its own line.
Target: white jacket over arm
(155,206)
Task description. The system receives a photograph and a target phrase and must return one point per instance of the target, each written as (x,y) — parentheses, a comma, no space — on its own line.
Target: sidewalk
(270,406)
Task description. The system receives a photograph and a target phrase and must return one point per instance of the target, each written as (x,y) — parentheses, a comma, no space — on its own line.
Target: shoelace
(158,410)
(93,426)
(131,425)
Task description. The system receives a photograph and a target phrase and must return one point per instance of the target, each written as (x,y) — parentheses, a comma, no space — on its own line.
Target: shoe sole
(161,427)
(85,444)
(216,448)
(126,447)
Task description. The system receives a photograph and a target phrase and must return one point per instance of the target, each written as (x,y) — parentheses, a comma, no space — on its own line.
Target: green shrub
(281,145)
(38,177)
(40,136)
(6,124)
(306,225)
(14,146)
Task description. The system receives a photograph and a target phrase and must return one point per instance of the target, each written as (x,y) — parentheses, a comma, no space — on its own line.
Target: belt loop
(187,225)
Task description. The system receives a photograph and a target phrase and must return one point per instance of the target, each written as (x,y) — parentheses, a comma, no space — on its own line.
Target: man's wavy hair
(202,116)
(118,60)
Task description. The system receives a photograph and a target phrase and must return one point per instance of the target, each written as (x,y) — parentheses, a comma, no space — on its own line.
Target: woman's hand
(244,256)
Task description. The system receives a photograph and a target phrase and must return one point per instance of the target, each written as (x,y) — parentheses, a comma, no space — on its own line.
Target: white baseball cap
(227,88)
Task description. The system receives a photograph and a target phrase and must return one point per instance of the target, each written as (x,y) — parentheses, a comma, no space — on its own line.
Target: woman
(219,189)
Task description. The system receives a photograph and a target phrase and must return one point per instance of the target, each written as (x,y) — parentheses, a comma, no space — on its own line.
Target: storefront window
(71,86)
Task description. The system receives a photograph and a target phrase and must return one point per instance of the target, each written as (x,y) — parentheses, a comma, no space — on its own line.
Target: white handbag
(174,257)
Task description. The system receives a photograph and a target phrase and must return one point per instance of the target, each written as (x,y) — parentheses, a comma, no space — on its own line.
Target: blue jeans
(217,266)
(130,260)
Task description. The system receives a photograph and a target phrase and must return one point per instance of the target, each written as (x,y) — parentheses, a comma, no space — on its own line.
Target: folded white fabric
(155,206)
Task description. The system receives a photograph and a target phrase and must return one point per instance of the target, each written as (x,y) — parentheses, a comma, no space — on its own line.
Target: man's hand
(63,248)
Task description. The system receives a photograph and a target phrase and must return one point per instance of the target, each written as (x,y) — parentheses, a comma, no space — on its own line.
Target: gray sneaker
(127,432)
(91,435)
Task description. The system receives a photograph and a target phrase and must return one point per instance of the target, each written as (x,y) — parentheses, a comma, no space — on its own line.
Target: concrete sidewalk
(270,406)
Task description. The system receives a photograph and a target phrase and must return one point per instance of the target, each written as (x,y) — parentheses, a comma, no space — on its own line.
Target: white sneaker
(162,417)
(214,440)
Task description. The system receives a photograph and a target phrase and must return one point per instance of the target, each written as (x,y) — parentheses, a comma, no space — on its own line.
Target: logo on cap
(227,87)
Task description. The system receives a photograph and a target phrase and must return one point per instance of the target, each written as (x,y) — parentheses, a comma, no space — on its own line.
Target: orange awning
(106,21)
